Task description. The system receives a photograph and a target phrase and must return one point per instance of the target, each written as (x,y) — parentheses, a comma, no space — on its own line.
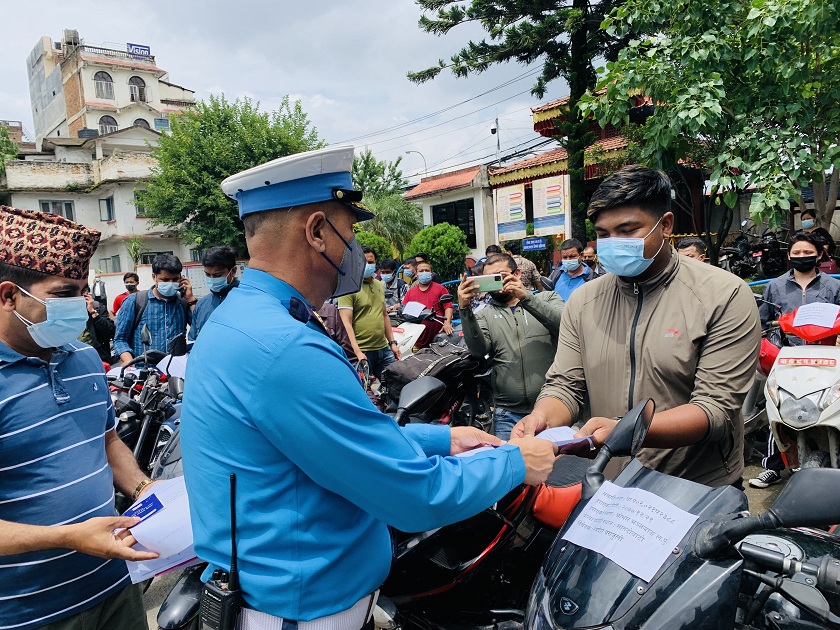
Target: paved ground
(759,500)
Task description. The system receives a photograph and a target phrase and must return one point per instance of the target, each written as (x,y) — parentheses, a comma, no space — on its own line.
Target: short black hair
(131,274)
(807,237)
(513,247)
(809,212)
(477,269)
(410,261)
(368,250)
(389,263)
(572,243)
(166,262)
(634,185)
(222,256)
(22,276)
(421,256)
(492,259)
(492,249)
(692,241)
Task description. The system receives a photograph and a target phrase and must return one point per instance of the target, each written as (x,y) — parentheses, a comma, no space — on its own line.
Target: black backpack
(141,300)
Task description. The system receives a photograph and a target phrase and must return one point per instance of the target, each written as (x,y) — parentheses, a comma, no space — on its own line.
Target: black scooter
(731,570)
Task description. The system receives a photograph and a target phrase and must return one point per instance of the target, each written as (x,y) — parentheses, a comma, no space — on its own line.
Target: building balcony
(32,175)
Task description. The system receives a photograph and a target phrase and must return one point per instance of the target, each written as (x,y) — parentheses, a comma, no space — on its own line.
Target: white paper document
(145,569)
(816,314)
(557,434)
(634,528)
(413,309)
(167,531)
(475,451)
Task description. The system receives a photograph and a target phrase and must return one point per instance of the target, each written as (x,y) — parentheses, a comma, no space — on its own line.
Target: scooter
(409,327)
(803,390)
(729,569)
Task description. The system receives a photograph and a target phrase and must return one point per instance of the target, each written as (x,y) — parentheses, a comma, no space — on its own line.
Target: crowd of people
(321,472)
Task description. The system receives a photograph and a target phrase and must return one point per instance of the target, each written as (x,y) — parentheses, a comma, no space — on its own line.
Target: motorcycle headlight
(773,388)
(831,395)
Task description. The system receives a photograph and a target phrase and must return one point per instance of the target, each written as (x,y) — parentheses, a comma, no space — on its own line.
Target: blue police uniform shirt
(566,284)
(54,471)
(320,471)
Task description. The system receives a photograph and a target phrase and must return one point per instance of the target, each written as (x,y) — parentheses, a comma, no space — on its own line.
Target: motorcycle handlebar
(827,573)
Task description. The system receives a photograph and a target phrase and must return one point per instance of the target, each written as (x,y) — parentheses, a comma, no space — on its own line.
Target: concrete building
(462,198)
(75,87)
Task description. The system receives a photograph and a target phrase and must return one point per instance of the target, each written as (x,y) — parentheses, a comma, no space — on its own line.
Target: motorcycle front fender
(181,605)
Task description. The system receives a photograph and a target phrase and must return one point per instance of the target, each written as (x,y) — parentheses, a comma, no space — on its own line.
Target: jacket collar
(791,278)
(660,279)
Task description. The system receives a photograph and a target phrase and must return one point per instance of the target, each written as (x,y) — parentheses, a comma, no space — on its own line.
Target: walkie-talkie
(221,599)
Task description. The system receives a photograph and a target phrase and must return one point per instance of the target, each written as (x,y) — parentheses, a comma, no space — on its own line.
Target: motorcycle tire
(816,459)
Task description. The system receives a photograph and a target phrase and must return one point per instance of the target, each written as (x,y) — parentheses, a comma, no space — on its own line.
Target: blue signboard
(533,244)
(138,50)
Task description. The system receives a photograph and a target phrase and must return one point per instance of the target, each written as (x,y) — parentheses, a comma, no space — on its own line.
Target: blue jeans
(504,421)
(378,360)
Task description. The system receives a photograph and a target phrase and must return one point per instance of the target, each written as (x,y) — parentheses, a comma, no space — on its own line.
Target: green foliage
(376,178)
(136,247)
(379,245)
(396,220)
(214,140)
(8,148)
(749,89)
(563,36)
(446,246)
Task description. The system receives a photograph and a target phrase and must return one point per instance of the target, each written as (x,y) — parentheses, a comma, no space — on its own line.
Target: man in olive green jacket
(657,326)
(519,332)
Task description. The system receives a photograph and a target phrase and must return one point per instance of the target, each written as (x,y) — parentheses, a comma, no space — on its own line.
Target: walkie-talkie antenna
(233,582)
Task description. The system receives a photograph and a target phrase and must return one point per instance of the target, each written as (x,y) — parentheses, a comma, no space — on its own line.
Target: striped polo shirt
(53,471)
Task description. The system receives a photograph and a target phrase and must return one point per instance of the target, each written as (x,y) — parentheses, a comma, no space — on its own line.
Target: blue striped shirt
(166,320)
(54,471)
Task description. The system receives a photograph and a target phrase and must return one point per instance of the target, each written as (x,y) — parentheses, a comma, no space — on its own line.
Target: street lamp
(425,170)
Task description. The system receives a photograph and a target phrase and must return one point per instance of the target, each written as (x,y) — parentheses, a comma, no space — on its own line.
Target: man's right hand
(467,290)
(529,426)
(96,537)
(539,456)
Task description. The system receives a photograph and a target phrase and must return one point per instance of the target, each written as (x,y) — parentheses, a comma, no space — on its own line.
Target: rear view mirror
(178,346)
(546,283)
(629,434)
(145,336)
(811,498)
(418,396)
(446,299)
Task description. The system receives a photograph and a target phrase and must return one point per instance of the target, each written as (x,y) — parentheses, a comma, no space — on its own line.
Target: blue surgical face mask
(370,269)
(408,273)
(351,269)
(66,320)
(214,284)
(167,289)
(425,277)
(625,257)
(571,265)
(808,223)
(387,277)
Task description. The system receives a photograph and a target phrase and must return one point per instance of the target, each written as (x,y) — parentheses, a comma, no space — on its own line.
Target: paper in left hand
(165,529)
(564,438)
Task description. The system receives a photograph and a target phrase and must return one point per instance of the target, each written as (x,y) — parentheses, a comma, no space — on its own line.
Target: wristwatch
(393,342)
(192,301)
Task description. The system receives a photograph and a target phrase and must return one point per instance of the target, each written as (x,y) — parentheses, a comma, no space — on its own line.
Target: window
(104,85)
(142,122)
(106,209)
(137,87)
(139,210)
(107,124)
(149,257)
(61,208)
(458,213)
(196,254)
(110,265)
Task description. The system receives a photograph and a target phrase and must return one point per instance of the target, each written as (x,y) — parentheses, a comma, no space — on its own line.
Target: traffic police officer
(269,396)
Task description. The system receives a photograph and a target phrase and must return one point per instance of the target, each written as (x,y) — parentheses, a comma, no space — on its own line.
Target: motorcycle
(770,254)
(407,325)
(804,390)
(740,257)
(486,564)
(729,570)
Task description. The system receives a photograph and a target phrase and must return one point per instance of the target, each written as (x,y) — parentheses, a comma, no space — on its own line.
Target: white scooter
(803,389)
(407,323)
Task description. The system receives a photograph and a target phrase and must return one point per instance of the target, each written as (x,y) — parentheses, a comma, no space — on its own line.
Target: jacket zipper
(639,303)
(522,363)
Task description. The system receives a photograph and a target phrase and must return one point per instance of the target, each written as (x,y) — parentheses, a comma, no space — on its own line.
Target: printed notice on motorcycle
(634,528)
(823,315)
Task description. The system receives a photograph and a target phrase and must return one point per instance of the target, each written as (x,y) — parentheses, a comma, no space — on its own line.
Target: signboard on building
(551,205)
(533,244)
(162,125)
(510,212)
(138,50)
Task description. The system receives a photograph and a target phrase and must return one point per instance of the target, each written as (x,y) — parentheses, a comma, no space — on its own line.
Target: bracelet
(393,342)
(139,489)
(192,302)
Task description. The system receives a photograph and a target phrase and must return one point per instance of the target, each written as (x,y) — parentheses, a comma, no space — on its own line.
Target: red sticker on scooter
(809,362)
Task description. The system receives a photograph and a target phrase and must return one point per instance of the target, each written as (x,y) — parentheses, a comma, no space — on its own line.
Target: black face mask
(590,263)
(499,296)
(804,263)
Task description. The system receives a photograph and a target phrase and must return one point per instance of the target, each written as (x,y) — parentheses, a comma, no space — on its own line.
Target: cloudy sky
(346,62)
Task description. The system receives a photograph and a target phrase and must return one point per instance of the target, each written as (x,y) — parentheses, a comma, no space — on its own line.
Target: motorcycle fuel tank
(579,588)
